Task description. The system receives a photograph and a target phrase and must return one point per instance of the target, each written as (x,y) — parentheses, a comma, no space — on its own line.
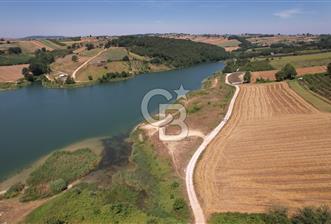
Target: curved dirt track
(198,213)
(275,150)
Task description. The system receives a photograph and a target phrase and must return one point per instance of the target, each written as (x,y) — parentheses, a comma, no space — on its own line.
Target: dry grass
(275,150)
(11,73)
(301,71)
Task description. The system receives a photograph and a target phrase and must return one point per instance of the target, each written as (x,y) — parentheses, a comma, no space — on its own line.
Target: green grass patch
(60,167)
(15,59)
(90,53)
(51,44)
(302,60)
(147,191)
(309,96)
(236,218)
(115,54)
(318,83)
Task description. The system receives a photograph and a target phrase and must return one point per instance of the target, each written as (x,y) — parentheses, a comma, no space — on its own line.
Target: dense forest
(177,53)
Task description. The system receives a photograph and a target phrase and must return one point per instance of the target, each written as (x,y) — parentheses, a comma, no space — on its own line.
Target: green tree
(247,77)
(74,58)
(329,68)
(14,50)
(89,46)
(287,72)
(25,72)
(312,215)
(70,80)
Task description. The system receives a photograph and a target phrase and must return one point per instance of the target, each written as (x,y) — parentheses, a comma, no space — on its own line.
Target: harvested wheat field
(275,150)
(11,73)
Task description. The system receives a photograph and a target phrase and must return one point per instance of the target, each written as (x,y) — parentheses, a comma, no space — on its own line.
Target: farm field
(302,60)
(320,84)
(314,99)
(267,41)
(11,73)
(301,71)
(273,151)
(50,44)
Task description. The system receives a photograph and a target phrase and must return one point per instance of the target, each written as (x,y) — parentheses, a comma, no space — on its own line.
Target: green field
(313,99)
(302,60)
(60,166)
(15,59)
(115,54)
(320,84)
(230,43)
(51,44)
(146,191)
(237,218)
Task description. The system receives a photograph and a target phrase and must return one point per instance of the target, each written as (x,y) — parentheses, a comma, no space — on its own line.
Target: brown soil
(275,150)
(12,211)
(11,73)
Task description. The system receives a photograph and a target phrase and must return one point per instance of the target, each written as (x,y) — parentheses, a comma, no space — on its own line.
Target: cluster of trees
(287,72)
(113,75)
(177,53)
(14,50)
(247,77)
(89,46)
(325,42)
(40,63)
(244,43)
(245,64)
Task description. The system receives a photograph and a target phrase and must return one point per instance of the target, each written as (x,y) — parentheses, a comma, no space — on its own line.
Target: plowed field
(275,150)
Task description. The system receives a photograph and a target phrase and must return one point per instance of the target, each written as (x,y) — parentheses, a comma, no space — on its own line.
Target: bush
(287,72)
(57,186)
(90,77)
(74,58)
(89,46)
(329,68)
(247,77)
(312,215)
(277,216)
(14,190)
(14,50)
(70,80)
(179,204)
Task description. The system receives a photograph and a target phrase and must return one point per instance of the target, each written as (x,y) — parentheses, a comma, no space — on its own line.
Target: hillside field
(275,150)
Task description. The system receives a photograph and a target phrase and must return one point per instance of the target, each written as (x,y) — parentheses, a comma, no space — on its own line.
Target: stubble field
(275,150)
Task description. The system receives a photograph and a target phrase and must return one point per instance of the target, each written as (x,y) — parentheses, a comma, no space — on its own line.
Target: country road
(85,63)
(199,216)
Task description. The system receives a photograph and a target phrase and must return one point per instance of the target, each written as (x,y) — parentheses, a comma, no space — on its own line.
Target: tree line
(174,52)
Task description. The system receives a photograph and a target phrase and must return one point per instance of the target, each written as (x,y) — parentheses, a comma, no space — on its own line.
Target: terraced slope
(275,150)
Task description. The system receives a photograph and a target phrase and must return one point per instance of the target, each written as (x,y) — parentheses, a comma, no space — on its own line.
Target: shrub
(126,58)
(90,77)
(57,186)
(179,204)
(329,68)
(247,77)
(287,72)
(89,46)
(277,216)
(14,50)
(312,215)
(74,58)
(70,80)
(14,190)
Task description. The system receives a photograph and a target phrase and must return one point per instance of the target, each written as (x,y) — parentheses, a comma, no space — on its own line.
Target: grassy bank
(313,99)
(146,191)
(277,215)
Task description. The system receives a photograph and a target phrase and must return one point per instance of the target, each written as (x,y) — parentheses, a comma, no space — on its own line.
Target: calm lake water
(35,121)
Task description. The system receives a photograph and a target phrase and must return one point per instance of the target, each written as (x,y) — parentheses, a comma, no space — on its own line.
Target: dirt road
(275,150)
(85,63)
(194,202)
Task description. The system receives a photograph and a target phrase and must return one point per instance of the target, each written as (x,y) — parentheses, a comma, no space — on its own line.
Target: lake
(35,121)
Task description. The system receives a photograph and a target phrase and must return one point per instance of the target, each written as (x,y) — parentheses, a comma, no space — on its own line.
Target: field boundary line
(199,216)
